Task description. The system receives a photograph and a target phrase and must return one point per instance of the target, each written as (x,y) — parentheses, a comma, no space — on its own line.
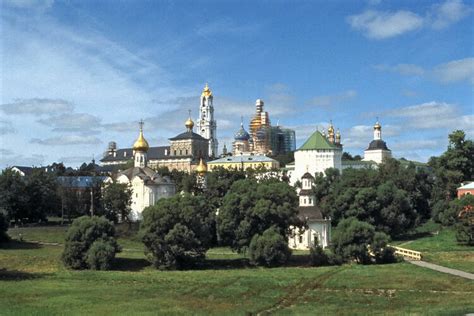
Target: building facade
(377,150)
(319,227)
(244,162)
(317,154)
(147,185)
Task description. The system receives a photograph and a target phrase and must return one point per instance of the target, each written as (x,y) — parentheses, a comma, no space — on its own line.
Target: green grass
(33,281)
(441,248)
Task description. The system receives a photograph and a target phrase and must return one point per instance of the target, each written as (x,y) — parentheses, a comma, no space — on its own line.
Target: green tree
(269,249)
(13,199)
(116,201)
(90,243)
(42,194)
(251,207)
(3,227)
(465,225)
(450,169)
(175,231)
(352,239)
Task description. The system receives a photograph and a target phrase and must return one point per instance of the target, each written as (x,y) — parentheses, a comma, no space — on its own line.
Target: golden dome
(206,92)
(201,168)
(141,144)
(331,129)
(377,126)
(189,123)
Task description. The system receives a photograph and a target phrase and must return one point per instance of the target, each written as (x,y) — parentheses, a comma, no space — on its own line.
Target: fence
(411,254)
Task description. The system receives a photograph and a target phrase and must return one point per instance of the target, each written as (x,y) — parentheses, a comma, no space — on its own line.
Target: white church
(147,185)
(318,153)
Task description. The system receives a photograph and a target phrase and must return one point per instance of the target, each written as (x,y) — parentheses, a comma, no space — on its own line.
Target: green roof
(317,141)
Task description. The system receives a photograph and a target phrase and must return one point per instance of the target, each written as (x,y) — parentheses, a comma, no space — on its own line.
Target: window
(301,239)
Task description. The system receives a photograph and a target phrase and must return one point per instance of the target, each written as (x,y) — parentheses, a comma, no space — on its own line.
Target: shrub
(352,239)
(3,228)
(382,253)
(175,231)
(90,243)
(100,255)
(465,227)
(269,249)
(317,256)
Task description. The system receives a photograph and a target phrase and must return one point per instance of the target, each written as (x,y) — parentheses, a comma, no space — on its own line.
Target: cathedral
(263,139)
(147,185)
(185,149)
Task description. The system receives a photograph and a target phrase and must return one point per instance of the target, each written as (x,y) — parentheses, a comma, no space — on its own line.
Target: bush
(175,231)
(351,240)
(90,243)
(3,228)
(382,253)
(465,227)
(100,255)
(269,249)
(317,256)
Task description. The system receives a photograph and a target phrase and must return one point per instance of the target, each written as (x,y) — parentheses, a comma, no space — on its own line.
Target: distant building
(377,150)
(317,154)
(207,126)
(22,170)
(244,162)
(147,185)
(466,189)
(319,227)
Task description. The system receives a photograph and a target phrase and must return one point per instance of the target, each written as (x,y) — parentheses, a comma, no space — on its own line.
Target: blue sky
(78,74)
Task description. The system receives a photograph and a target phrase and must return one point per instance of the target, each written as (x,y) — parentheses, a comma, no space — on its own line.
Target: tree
(269,249)
(3,227)
(450,169)
(41,191)
(13,199)
(175,231)
(450,215)
(90,243)
(352,239)
(116,201)
(251,207)
(465,225)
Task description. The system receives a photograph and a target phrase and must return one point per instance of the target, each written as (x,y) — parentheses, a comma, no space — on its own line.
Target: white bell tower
(206,124)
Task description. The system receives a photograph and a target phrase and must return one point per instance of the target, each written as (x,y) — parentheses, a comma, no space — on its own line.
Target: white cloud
(6,127)
(72,121)
(456,70)
(30,4)
(450,12)
(36,106)
(434,115)
(386,24)
(380,25)
(64,140)
(330,100)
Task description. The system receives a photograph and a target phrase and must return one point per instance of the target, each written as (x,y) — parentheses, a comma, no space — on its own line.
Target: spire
(141,144)
(206,92)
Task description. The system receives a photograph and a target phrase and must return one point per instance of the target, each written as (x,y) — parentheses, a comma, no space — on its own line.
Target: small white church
(147,185)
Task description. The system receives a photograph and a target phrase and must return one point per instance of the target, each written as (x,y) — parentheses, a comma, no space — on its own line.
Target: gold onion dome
(206,92)
(330,129)
(189,123)
(141,144)
(202,167)
(377,126)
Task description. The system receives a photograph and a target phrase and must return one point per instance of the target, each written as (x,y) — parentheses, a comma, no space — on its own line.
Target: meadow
(33,281)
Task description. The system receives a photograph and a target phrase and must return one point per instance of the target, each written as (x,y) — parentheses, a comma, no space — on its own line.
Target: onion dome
(241,133)
(206,92)
(331,129)
(307,175)
(377,126)
(189,122)
(141,144)
(338,136)
(201,169)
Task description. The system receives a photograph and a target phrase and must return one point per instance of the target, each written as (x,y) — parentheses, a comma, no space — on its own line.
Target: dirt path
(436,267)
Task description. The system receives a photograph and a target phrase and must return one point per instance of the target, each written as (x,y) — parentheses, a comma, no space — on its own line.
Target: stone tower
(207,124)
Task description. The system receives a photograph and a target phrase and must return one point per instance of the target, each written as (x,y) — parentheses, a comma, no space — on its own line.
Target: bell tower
(207,124)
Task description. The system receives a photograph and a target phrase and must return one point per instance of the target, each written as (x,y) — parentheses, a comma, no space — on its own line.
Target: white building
(377,150)
(317,154)
(147,185)
(319,228)
(206,123)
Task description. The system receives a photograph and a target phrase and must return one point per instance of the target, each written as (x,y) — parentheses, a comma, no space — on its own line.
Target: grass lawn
(33,281)
(442,249)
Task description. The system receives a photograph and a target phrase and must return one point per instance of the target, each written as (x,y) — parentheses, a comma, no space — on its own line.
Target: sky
(77,74)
